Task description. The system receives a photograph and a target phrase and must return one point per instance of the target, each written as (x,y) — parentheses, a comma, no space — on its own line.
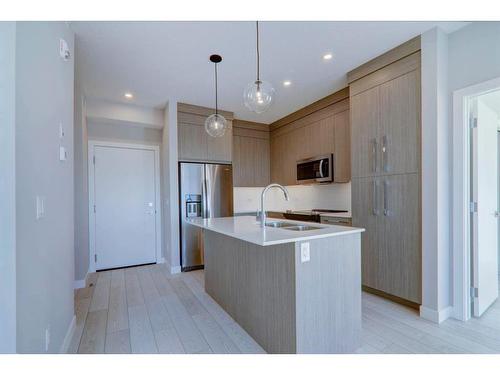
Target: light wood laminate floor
(147,310)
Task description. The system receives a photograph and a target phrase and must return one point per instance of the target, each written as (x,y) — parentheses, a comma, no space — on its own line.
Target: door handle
(204,204)
(496,214)
(321,168)
(384,153)
(374,154)
(374,198)
(386,198)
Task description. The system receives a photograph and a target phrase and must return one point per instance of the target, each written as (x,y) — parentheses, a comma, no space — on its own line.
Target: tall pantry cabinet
(386,175)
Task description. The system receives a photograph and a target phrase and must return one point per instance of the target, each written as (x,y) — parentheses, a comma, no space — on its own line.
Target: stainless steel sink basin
(301,228)
(279,224)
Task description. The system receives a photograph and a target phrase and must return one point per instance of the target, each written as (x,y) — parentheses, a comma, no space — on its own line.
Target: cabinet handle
(374,198)
(374,154)
(386,198)
(384,153)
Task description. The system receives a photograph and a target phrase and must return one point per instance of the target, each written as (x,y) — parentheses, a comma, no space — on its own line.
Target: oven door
(313,170)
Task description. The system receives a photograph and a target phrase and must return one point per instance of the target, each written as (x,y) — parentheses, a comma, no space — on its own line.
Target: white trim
(158,203)
(175,269)
(434,315)
(461,196)
(69,335)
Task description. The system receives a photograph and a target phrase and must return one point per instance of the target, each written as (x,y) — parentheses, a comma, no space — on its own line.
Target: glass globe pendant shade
(258,96)
(216,125)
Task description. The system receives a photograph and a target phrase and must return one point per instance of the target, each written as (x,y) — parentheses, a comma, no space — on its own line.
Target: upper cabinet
(318,129)
(251,154)
(385,115)
(194,143)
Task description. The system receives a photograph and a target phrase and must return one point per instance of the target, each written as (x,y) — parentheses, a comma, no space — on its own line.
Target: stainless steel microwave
(315,170)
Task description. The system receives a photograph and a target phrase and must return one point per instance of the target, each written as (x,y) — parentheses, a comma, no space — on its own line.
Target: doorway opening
(476,197)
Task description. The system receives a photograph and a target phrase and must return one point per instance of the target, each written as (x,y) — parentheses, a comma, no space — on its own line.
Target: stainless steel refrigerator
(206,190)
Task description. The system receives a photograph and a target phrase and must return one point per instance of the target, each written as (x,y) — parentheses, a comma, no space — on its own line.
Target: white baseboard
(78,284)
(175,269)
(69,336)
(435,315)
(161,261)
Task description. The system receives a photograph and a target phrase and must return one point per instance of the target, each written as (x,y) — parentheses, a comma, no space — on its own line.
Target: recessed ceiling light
(287,83)
(128,95)
(328,56)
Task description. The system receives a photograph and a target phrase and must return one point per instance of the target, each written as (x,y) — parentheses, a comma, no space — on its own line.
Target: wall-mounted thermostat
(64,50)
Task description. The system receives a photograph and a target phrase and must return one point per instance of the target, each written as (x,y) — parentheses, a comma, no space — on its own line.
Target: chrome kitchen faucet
(262,198)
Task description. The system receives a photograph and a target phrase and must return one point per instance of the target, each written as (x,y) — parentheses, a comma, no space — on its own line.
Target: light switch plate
(305,255)
(40,207)
(62,153)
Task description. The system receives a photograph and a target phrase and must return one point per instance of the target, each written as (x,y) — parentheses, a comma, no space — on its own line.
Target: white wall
(449,62)
(474,55)
(436,176)
(7,188)
(45,247)
(170,187)
(105,110)
(302,197)
(128,132)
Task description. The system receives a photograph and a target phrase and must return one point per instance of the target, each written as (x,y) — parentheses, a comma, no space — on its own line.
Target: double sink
(290,226)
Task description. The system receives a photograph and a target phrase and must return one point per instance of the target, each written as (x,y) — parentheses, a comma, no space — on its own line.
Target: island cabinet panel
(386,193)
(327,302)
(251,154)
(194,143)
(255,285)
(286,305)
(323,131)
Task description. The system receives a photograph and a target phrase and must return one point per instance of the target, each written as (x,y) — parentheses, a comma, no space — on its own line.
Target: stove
(309,215)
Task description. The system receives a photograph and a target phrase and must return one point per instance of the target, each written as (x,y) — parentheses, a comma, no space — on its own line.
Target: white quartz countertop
(246,228)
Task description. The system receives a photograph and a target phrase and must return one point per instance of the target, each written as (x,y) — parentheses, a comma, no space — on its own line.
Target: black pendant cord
(258,53)
(216,99)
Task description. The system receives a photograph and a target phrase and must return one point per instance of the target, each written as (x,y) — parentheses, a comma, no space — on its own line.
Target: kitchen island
(295,287)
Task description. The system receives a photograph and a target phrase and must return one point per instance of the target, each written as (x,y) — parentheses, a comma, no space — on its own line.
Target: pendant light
(216,124)
(258,96)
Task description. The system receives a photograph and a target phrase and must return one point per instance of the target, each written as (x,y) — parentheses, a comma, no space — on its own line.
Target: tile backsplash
(302,197)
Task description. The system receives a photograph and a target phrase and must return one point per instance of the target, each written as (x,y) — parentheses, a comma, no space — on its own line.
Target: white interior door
(125,207)
(484,223)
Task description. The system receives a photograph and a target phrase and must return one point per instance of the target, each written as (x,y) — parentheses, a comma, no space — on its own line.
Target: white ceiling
(158,61)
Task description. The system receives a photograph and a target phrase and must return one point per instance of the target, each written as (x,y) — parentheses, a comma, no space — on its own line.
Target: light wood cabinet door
(195,144)
(251,161)
(219,149)
(365,120)
(400,124)
(401,255)
(278,156)
(366,213)
(192,142)
(342,146)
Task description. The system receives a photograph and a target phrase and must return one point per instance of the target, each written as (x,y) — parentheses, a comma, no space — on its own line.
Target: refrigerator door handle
(204,203)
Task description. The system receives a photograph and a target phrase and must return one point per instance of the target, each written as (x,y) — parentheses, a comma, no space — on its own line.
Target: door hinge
(94,208)
(473,123)
(93,159)
(95,258)
(474,292)
(473,207)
